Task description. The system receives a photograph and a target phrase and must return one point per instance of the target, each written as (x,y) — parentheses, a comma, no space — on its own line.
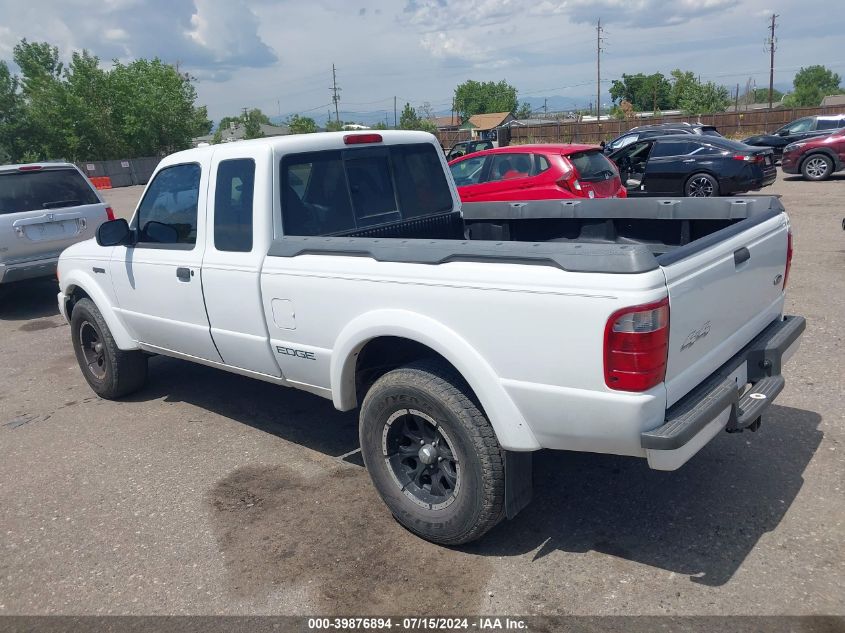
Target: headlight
(792,147)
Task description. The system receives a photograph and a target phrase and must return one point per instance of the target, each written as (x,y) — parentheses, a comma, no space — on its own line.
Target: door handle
(184,274)
(741,255)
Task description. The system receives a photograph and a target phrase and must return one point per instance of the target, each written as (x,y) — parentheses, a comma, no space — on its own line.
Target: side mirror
(602,144)
(161,233)
(782,132)
(114,232)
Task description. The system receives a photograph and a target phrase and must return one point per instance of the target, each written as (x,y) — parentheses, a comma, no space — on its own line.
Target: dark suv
(467,147)
(661,129)
(815,158)
(800,129)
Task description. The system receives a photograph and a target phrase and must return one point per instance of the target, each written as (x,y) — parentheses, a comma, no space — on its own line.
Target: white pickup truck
(344,265)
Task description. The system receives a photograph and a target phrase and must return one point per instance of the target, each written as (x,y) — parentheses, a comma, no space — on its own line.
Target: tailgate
(41,234)
(724,289)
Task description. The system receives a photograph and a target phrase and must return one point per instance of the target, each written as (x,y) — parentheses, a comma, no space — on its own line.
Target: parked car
(44,208)
(815,158)
(464,355)
(695,166)
(661,129)
(467,147)
(799,130)
(536,172)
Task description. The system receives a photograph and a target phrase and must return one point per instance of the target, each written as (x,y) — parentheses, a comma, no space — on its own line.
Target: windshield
(45,189)
(592,166)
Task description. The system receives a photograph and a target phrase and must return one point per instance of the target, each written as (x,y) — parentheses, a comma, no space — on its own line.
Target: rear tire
(110,371)
(701,186)
(817,167)
(432,454)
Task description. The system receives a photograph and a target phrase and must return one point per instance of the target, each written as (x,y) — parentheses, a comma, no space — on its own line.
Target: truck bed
(599,236)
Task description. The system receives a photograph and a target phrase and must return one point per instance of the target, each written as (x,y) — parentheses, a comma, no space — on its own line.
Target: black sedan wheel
(817,167)
(701,186)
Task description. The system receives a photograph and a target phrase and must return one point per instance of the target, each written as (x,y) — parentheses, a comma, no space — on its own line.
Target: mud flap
(519,481)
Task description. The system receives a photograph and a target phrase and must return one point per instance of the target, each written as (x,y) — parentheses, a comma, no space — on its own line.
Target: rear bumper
(10,272)
(717,403)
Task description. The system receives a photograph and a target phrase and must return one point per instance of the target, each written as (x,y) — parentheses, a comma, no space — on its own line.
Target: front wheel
(701,186)
(432,454)
(110,371)
(817,167)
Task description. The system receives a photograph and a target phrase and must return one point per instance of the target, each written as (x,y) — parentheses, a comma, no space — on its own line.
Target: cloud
(437,15)
(210,38)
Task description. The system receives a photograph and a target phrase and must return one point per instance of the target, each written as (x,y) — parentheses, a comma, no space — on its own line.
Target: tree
(524,111)
(301,124)
(11,104)
(409,120)
(643,92)
(812,84)
(81,111)
(760,95)
(334,125)
(704,99)
(682,82)
(473,97)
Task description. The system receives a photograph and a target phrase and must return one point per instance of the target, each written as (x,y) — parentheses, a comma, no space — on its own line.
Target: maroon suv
(816,158)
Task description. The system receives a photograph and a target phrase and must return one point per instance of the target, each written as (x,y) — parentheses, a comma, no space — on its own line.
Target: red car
(536,172)
(815,158)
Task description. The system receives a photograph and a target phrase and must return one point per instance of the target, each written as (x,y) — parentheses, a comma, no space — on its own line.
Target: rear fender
(509,424)
(79,279)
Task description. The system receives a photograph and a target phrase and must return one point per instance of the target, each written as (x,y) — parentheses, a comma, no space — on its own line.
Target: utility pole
(335,96)
(545,109)
(599,40)
(395,123)
(771,43)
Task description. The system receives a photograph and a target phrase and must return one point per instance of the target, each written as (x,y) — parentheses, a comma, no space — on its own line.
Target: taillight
(569,179)
(109,213)
(749,159)
(636,344)
(788,258)
(30,168)
(357,139)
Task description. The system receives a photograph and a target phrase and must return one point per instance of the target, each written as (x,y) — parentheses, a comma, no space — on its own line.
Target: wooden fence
(733,124)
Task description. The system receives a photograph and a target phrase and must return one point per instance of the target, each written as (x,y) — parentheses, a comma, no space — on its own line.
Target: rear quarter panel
(529,339)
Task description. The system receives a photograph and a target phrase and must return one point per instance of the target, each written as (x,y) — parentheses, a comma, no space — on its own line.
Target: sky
(277,55)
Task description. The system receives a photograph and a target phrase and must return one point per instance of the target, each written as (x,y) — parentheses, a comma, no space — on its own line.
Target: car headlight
(792,147)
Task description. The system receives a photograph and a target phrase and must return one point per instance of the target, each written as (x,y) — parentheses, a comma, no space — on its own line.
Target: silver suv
(44,208)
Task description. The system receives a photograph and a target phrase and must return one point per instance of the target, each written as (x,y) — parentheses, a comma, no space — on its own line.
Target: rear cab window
(44,189)
(338,191)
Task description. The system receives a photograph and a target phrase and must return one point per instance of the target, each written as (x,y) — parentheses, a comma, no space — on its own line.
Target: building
(482,126)
(236,132)
(751,107)
(447,123)
(833,101)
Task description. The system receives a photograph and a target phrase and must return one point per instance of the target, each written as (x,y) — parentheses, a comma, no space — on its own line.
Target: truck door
(157,281)
(240,216)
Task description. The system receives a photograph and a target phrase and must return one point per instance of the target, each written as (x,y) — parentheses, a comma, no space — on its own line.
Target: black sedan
(697,166)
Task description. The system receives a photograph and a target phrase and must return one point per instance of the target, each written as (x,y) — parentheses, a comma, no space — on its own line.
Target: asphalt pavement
(210,493)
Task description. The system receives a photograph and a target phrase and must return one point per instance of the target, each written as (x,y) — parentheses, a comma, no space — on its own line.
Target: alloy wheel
(92,349)
(420,459)
(700,187)
(816,167)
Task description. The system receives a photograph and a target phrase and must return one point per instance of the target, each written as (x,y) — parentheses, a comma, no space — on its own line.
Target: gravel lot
(209,493)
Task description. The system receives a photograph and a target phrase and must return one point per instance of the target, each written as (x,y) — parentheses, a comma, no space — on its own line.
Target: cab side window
(168,213)
(233,198)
